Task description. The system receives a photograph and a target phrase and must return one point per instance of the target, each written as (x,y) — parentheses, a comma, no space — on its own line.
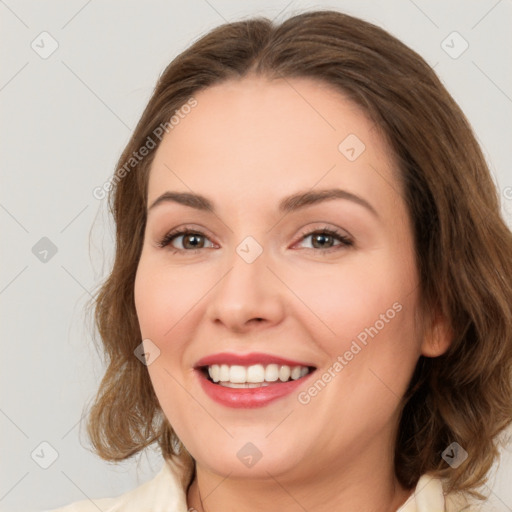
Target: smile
(257,375)
(250,380)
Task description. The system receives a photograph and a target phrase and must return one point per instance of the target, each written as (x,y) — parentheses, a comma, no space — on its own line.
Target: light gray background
(66,119)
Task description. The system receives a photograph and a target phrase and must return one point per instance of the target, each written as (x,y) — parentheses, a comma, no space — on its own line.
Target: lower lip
(249,397)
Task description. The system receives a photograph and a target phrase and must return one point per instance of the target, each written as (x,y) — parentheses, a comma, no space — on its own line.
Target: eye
(324,239)
(192,240)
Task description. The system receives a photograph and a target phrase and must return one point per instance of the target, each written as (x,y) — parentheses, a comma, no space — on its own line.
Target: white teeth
(295,372)
(244,385)
(237,374)
(224,372)
(214,372)
(271,373)
(255,375)
(285,372)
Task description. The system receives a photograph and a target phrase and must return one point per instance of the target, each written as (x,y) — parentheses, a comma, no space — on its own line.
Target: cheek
(343,300)
(364,313)
(161,304)
(163,300)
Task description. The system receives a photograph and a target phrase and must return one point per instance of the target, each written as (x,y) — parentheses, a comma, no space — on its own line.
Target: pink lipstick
(250,380)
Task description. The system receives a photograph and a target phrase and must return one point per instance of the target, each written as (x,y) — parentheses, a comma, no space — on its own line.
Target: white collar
(164,492)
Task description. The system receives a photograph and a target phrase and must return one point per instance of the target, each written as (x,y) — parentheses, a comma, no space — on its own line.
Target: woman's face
(256,284)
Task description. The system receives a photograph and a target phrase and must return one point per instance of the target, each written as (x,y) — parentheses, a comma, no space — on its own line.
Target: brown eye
(191,240)
(325,240)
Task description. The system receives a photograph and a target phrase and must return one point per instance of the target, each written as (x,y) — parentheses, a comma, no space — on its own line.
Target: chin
(249,456)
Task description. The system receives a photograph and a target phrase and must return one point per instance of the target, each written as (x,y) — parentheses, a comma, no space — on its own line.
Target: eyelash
(345,241)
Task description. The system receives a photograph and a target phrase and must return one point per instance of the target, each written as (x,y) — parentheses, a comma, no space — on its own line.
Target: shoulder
(429,496)
(162,493)
(105,504)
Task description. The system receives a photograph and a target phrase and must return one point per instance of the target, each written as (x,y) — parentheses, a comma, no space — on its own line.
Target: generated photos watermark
(150,143)
(356,346)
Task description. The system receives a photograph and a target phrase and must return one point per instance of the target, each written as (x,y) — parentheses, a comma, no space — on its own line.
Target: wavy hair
(463,246)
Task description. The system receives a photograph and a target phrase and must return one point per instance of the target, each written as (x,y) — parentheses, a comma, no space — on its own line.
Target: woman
(310,304)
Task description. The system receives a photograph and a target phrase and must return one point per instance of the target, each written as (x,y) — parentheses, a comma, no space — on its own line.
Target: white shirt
(164,493)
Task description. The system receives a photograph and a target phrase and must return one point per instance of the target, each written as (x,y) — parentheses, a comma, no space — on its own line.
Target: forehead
(261,138)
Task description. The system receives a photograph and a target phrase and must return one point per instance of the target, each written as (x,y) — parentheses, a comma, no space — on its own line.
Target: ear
(437,337)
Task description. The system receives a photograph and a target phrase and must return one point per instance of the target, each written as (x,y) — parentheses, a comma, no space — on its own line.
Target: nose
(249,296)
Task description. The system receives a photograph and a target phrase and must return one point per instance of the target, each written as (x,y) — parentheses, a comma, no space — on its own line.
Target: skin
(246,145)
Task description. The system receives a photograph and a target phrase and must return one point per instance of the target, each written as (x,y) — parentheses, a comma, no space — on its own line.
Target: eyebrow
(286,205)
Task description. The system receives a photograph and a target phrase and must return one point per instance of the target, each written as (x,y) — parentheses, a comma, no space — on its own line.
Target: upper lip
(230,358)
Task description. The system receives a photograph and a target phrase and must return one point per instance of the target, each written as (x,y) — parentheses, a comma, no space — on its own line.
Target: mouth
(253,376)
(250,380)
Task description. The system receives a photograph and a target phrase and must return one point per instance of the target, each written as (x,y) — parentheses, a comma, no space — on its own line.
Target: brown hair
(463,247)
